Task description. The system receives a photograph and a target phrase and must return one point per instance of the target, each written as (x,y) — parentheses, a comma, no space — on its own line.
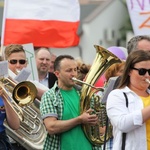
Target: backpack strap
(124,134)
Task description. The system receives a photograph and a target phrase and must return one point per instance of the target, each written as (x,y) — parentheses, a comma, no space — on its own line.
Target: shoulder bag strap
(124,134)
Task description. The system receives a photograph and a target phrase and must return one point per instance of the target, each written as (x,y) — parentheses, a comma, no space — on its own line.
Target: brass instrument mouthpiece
(147,80)
(77,80)
(17,71)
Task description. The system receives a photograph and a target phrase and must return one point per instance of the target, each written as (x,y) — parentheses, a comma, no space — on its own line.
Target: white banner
(139,11)
(31,61)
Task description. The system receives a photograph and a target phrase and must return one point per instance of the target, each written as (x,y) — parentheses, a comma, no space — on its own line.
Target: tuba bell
(102,61)
(21,97)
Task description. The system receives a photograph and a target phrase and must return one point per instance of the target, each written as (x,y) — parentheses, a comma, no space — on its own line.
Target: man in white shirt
(42,56)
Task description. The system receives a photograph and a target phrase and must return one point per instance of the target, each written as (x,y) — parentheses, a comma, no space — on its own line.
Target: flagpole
(3,27)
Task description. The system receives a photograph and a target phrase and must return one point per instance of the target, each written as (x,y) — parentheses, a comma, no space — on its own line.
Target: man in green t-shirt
(60,110)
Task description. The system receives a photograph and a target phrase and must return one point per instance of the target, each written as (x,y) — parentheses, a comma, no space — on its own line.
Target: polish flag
(48,23)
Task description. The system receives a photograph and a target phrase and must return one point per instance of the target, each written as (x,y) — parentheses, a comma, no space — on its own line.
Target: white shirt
(126,119)
(44,81)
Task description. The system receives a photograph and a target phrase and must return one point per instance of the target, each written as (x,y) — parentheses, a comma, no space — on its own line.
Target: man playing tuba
(60,110)
(15,54)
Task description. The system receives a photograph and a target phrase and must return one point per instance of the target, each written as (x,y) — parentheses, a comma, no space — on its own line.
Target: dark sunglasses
(142,71)
(14,61)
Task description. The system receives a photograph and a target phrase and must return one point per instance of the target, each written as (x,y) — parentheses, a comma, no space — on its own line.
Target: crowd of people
(127,104)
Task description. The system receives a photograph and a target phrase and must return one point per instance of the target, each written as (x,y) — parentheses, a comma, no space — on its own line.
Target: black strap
(124,134)
(106,130)
(126,99)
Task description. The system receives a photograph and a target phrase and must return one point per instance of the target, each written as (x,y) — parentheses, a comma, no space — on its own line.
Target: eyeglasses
(142,71)
(14,61)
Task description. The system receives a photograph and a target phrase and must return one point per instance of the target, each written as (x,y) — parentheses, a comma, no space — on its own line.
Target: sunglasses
(142,71)
(14,61)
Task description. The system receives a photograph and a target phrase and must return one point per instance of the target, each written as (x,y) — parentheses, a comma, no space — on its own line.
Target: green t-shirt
(75,138)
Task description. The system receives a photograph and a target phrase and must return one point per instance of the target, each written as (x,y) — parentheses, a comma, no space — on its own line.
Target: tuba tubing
(9,101)
(21,97)
(103,60)
(82,82)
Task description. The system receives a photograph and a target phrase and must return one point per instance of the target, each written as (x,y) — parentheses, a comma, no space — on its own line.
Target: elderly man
(42,56)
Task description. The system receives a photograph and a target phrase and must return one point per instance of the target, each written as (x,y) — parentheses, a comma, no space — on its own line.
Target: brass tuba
(103,60)
(21,98)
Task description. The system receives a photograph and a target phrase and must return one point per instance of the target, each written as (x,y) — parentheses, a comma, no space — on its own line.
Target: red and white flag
(48,23)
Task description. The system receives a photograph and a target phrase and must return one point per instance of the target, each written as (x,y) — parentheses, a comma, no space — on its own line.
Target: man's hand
(89,118)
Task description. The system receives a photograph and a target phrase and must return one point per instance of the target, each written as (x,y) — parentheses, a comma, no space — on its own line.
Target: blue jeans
(4,142)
